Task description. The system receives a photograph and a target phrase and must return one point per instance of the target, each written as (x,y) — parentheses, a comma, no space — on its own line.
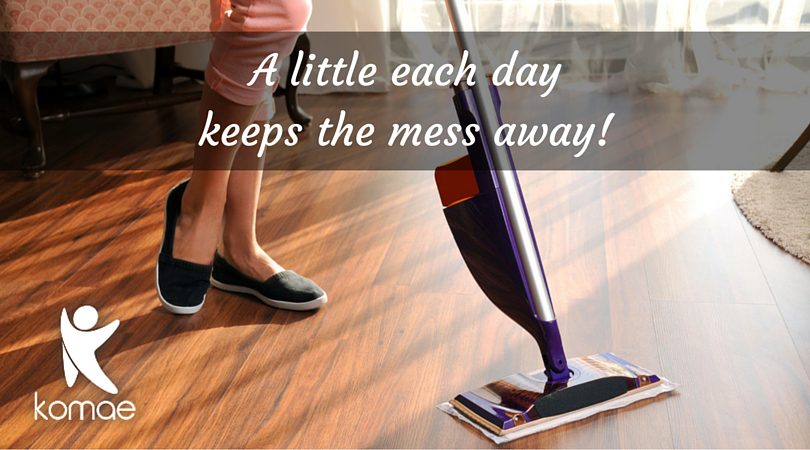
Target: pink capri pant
(248,31)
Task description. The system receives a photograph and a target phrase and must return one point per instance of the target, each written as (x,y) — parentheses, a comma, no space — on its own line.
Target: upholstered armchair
(34,34)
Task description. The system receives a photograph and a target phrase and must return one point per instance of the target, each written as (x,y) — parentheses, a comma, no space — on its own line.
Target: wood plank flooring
(658,267)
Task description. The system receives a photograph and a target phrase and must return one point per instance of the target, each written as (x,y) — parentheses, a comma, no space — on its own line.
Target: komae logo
(79,344)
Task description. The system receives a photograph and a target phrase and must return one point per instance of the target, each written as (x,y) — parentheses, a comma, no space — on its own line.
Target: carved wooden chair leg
(24,79)
(291,92)
(164,78)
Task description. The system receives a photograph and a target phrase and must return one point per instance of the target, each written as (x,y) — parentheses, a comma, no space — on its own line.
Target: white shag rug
(778,204)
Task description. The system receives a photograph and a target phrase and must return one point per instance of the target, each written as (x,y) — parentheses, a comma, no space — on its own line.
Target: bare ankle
(196,232)
(240,249)
(195,210)
(249,258)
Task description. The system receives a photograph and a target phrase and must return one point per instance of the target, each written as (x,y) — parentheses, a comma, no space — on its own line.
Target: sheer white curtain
(336,27)
(609,15)
(664,62)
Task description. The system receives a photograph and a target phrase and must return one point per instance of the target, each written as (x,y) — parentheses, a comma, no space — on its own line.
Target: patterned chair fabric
(42,30)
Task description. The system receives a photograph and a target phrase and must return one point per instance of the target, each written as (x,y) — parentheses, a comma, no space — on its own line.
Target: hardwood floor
(658,267)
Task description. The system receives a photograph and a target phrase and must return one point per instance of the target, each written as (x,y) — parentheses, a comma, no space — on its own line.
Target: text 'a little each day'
(353,72)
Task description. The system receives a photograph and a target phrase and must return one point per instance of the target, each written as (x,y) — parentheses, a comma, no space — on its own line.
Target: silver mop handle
(504,168)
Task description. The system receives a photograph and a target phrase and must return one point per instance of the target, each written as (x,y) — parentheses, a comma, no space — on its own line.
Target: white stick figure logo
(79,345)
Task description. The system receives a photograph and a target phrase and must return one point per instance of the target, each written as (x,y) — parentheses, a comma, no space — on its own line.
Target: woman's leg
(239,244)
(251,31)
(198,228)
(243,266)
(275,25)
(254,29)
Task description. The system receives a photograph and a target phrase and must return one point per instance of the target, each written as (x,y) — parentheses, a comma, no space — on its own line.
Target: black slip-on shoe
(181,285)
(284,290)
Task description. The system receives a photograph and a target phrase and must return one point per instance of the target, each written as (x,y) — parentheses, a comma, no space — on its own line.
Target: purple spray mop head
(568,389)
(523,404)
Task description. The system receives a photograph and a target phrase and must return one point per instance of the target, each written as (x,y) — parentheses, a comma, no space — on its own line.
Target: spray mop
(485,210)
